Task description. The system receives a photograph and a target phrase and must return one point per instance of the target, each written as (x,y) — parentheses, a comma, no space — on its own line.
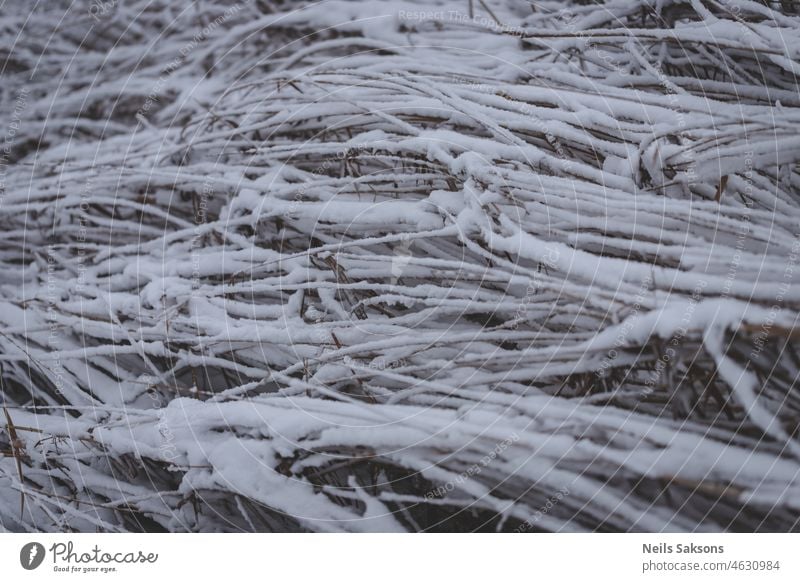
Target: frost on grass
(386,266)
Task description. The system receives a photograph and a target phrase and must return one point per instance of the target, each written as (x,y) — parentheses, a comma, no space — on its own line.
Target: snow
(256,278)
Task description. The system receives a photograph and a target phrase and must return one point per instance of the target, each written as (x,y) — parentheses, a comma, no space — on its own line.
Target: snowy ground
(400,266)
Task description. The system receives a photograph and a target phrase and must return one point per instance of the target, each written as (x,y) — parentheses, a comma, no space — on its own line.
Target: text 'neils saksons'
(664,548)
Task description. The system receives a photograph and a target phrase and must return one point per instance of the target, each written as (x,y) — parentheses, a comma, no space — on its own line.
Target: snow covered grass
(382,265)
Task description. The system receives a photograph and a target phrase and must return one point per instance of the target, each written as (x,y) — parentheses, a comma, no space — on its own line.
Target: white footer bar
(400,557)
